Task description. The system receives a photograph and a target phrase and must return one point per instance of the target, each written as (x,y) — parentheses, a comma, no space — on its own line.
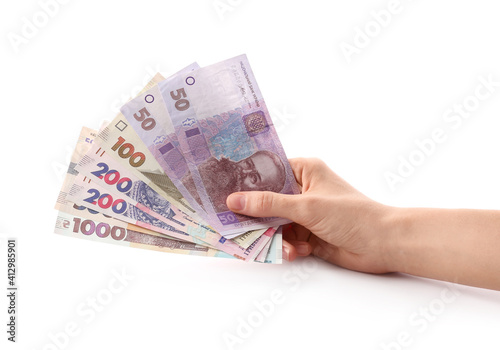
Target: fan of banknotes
(158,175)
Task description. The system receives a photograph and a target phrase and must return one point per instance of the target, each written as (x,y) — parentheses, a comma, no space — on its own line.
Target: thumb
(264,204)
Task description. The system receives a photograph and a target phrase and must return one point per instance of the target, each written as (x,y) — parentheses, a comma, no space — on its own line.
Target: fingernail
(236,202)
(286,252)
(302,249)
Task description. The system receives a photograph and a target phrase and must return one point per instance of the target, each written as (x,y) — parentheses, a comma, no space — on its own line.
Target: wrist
(397,242)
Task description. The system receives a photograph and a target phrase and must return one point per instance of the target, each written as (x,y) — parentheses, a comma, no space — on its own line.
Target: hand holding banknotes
(337,223)
(158,175)
(162,174)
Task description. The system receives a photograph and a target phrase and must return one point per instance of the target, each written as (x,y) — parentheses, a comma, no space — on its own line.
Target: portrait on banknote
(261,171)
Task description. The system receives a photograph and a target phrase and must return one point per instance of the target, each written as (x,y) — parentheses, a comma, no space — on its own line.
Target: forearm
(455,245)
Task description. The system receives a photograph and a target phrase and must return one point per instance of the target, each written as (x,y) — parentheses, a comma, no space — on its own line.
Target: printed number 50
(147,123)
(182,104)
(227,218)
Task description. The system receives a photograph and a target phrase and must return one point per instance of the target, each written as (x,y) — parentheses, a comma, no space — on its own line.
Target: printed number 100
(126,150)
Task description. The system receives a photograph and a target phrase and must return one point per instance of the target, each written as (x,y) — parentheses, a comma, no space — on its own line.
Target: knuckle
(316,163)
(312,167)
(298,161)
(310,209)
(265,202)
(308,206)
(307,166)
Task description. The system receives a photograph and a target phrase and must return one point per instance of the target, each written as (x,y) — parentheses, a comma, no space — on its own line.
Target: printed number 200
(105,201)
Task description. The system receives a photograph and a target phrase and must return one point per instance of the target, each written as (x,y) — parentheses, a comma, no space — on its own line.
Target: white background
(359,117)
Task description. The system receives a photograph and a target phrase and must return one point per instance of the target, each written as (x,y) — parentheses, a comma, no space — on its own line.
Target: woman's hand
(331,219)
